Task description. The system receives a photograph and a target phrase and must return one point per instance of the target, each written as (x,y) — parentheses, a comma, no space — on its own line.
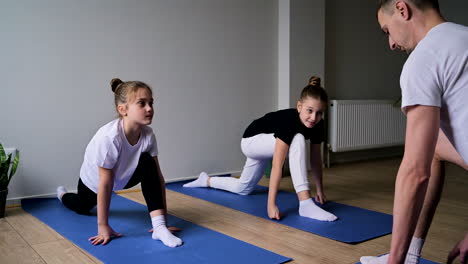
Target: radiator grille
(365,124)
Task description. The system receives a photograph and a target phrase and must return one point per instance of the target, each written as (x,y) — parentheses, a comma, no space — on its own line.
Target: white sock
(414,251)
(374,260)
(160,232)
(413,256)
(308,208)
(61,191)
(201,181)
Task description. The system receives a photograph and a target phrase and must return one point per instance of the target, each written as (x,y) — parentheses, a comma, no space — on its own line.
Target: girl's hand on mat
(274,213)
(321,198)
(105,233)
(173,229)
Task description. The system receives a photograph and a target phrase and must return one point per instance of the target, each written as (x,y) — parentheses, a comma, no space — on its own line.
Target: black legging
(146,173)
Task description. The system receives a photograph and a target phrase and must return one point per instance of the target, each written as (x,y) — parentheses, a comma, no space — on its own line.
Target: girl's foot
(60,192)
(308,208)
(160,232)
(201,181)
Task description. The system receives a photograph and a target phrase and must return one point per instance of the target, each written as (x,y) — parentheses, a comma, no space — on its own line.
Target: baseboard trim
(210,174)
(16,201)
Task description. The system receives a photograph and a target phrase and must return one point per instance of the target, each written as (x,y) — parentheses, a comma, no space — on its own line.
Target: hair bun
(314,81)
(115,83)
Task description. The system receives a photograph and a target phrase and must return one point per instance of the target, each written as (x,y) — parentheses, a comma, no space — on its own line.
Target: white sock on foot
(414,251)
(412,257)
(308,208)
(160,232)
(374,260)
(61,191)
(201,181)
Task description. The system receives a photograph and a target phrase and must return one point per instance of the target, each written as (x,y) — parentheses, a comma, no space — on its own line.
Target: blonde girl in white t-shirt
(122,154)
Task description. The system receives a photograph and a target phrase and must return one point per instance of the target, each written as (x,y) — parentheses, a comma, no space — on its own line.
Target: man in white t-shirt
(434,84)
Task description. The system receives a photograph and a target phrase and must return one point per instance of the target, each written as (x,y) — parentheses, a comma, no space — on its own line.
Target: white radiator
(365,124)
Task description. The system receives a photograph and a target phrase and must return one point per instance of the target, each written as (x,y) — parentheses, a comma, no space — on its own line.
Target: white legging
(259,150)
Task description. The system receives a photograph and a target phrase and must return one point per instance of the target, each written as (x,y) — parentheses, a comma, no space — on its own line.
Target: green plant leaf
(14,167)
(2,154)
(3,175)
(5,165)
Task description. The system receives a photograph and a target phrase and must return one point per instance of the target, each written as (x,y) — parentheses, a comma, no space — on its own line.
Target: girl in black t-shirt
(277,135)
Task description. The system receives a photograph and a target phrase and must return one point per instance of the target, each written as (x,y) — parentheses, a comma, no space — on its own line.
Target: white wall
(358,61)
(359,64)
(307,45)
(212,65)
(284,32)
(301,47)
(455,11)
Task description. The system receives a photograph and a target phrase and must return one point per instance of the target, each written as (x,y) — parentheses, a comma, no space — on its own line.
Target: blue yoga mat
(201,245)
(421,261)
(354,225)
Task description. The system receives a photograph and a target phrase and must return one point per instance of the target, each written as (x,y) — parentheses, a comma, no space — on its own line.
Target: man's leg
(444,152)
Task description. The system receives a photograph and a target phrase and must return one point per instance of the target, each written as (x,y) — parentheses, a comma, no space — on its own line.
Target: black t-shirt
(285,124)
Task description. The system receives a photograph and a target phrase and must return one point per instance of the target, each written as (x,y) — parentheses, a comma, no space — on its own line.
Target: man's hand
(461,249)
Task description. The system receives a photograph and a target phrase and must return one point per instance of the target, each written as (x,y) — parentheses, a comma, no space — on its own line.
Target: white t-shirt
(436,74)
(109,148)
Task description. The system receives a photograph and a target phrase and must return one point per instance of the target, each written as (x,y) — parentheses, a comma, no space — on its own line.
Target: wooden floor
(370,184)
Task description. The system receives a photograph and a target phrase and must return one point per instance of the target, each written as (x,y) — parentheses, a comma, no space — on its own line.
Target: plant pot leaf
(2,154)
(14,166)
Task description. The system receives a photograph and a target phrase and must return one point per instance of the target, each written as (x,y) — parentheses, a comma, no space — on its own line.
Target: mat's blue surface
(421,261)
(353,226)
(201,245)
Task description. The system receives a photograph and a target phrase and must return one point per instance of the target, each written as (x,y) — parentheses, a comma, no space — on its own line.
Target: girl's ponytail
(314,90)
(314,81)
(114,83)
